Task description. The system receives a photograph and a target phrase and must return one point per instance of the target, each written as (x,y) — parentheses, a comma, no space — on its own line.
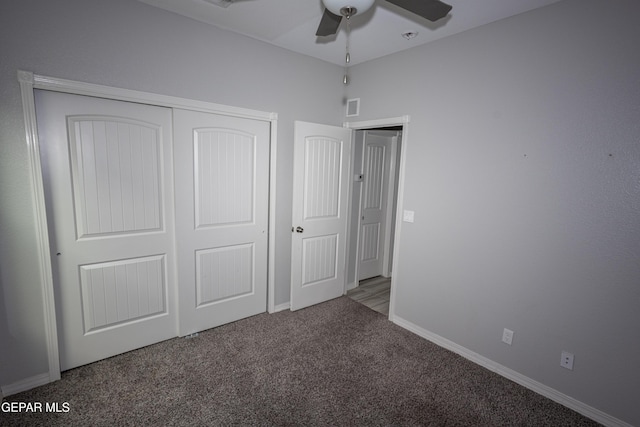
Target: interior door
(321,170)
(376,163)
(107,169)
(222,197)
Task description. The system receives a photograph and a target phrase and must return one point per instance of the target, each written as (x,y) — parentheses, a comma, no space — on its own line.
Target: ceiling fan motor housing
(335,10)
(359,6)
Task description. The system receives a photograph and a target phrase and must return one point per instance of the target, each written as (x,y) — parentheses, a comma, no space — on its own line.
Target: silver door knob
(299,229)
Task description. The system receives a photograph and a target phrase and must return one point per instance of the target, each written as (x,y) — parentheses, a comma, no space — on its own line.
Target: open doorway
(374,293)
(376,165)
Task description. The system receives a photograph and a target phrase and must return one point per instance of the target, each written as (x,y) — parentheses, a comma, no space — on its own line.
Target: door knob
(299,229)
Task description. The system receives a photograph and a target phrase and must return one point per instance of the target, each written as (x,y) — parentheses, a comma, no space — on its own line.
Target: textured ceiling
(292,24)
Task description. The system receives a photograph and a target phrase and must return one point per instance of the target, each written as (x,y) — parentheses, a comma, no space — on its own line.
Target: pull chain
(347,58)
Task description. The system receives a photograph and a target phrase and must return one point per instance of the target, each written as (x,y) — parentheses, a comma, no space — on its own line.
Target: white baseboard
(350,286)
(281,307)
(546,391)
(26,384)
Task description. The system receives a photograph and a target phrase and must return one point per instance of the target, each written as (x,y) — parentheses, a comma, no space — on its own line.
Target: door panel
(115,165)
(374,205)
(222,196)
(122,291)
(319,259)
(320,203)
(107,168)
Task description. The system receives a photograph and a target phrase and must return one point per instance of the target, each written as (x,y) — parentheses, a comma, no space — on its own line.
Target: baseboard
(281,307)
(546,391)
(26,384)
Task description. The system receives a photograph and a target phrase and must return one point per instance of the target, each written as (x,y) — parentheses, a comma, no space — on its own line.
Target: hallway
(374,293)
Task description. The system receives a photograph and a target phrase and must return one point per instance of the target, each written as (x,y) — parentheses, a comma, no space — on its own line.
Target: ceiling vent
(221,3)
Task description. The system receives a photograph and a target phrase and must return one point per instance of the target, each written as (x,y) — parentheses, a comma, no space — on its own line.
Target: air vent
(353,107)
(221,3)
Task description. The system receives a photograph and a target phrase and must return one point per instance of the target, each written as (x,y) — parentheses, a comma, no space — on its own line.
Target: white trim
(273,150)
(100,91)
(348,239)
(282,307)
(271,281)
(404,122)
(26,80)
(378,123)
(548,392)
(26,384)
(391,186)
(356,260)
(29,82)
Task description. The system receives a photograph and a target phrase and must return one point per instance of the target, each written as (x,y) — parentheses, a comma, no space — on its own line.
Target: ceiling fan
(335,10)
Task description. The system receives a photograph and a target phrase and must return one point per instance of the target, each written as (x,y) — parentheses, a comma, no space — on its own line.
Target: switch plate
(507,336)
(566,360)
(407,216)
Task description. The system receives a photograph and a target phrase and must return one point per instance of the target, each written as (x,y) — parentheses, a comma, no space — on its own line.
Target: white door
(321,170)
(107,169)
(222,196)
(376,163)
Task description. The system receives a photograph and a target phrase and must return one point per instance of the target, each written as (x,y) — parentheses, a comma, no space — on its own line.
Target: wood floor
(374,293)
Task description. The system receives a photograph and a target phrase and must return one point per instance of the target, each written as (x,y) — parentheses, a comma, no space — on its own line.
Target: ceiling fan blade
(328,24)
(428,9)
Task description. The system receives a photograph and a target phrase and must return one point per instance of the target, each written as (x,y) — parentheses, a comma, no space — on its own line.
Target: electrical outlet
(566,360)
(507,336)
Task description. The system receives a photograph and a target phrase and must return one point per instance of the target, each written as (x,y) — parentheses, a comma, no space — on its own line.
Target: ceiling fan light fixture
(336,6)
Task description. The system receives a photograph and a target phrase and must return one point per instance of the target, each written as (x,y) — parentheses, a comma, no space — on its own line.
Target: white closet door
(322,161)
(107,168)
(222,196)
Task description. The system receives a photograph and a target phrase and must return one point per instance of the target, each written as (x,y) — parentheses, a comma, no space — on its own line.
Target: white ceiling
(292,24)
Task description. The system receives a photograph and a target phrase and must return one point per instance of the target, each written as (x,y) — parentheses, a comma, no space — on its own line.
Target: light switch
(407,216)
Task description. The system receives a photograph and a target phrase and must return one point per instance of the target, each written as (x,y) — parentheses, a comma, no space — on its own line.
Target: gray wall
(128,44)
(523,168)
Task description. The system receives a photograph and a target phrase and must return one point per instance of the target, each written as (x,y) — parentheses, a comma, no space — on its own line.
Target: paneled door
(322,163)
(107,169)
(222,197)
(376,162)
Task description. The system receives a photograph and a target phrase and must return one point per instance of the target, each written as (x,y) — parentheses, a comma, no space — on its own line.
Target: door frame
(379,123)
(28,83)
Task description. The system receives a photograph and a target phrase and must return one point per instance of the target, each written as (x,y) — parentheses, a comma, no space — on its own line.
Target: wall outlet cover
(566,360)
(507,336)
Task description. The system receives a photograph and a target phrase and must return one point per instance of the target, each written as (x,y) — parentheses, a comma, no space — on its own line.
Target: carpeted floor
(334,364)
